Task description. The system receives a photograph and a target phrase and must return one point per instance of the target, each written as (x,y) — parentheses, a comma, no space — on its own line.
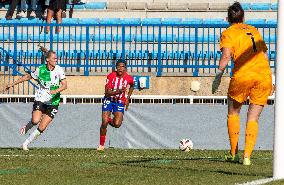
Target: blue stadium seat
(186,38)
(171,21)
(260,6)
(62,37)
(39,37)
(20,37)
(89,21)
(271,21)
(128,37)
(144,38)
(109,20)
(214,21)
(208,38)
(79,6)
(166,38)
(151,21)
(95,5)
(246,6)
(131,21)
(274,6)
(102,37)
(3,37)
(270,38)
(70,20)
(255,21)
(81,37)
(192,21)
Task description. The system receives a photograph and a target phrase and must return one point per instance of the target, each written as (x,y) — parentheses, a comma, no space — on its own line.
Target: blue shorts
(112,106)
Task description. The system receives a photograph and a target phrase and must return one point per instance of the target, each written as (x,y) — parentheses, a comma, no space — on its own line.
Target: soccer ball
(185,145)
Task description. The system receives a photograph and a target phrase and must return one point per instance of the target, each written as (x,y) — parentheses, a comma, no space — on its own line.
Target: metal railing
(92,49)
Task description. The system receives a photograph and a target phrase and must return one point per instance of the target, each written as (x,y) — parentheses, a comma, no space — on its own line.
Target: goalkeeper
(251,78)
(51,80)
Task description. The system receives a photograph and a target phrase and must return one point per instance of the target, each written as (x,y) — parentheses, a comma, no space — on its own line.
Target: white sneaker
(23,130)
(21,14)
(25,147)
(33,14)
(101,148)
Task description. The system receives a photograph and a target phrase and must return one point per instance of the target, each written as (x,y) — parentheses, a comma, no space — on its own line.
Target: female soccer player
(115,100)
(51,81)
(251,78)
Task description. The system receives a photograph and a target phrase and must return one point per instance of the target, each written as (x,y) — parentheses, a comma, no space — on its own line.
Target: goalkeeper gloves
(217,81)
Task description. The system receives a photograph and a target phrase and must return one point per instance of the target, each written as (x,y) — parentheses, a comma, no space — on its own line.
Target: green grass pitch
(127,166)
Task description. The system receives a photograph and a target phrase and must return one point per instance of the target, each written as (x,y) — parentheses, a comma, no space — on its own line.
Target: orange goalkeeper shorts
(257,87)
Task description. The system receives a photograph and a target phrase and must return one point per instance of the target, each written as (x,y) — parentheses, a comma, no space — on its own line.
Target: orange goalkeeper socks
(234,131)
(251,135)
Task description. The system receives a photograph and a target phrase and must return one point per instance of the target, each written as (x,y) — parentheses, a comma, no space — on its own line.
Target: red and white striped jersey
(114,82)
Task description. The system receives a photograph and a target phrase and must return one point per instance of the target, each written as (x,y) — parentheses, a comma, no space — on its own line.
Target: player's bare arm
(20,80)
(61,88)
(225,58)
(131,88)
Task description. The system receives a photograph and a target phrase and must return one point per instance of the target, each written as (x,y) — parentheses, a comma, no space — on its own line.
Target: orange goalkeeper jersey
(247,49)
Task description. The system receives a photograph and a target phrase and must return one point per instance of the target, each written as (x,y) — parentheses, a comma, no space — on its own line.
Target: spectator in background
(23,9)
(55,8)
(13,5)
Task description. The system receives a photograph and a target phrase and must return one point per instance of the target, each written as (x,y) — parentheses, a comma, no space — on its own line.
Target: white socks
(32,137)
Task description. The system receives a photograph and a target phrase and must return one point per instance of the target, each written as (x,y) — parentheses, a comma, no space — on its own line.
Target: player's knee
(117,124)
(35,121)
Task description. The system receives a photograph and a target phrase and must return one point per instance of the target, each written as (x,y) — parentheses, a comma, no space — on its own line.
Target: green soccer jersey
(47,81)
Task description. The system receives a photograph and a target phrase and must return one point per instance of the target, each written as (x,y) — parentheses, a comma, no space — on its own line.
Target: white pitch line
(258,182)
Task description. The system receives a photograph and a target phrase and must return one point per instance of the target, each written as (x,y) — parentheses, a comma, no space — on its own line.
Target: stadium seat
(260,6)
(20,37)
(79,6)
(151,21)
(116,5)
(198,6)
(70,20)
(102,37)
(109,20)
(270,38)
(131,21)
(219,6)
(171,21)
(40,37)
(157,6)
(246,6)
(136,5)
(214,21)
(255,21)
(89,21)
(271,21)
(95,5)
(3,37)
(274,6)
(178,6)
(144,38)
(128,37)
(62,37)
(166,38)
(80,37)
(186,38)
(192,21)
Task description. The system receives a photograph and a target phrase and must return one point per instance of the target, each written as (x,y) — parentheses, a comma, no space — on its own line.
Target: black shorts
(49,110)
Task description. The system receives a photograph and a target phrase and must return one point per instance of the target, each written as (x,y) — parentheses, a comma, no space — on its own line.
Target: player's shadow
(157,164)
